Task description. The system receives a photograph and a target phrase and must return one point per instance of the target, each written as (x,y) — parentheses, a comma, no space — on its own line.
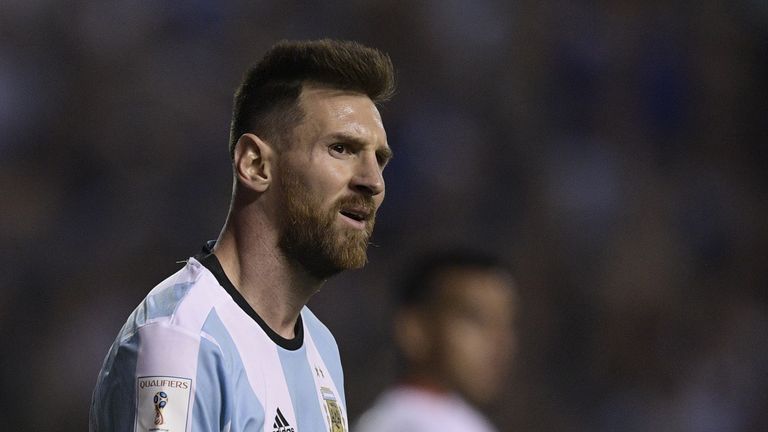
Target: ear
(253,161)
(412,336)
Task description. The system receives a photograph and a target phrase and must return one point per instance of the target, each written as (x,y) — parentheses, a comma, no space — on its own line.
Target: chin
(483,394)
(353,260)
(352,250)
(326,263)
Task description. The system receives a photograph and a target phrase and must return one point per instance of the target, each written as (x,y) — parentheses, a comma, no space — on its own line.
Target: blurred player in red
(453,328)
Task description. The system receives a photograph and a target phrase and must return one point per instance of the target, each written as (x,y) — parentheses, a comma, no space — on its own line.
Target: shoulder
(394,407)
(403,408)
(317,329)
(163,347)
(320,334)
(169,324)
(180,303)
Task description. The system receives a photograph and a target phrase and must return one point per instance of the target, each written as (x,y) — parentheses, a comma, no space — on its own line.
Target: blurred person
(227,342)
(453,328)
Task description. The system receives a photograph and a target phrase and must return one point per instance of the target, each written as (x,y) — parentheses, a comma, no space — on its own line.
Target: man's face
(473,331)
(330,181)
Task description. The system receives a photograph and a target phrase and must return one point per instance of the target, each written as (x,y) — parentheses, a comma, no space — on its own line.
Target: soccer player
(453,328)
(227,342)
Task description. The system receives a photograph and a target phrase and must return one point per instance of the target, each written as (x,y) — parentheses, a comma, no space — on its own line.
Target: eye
(339,148)
(382,160)
(383,157)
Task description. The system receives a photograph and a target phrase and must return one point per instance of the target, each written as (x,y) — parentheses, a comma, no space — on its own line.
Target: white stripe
(261,362)
(194,308)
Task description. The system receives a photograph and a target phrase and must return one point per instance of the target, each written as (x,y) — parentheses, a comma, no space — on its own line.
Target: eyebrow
(384,153)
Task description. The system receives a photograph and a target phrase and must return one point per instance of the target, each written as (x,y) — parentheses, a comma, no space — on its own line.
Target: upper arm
(150,380)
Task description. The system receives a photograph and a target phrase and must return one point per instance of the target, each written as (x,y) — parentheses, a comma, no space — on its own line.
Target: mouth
(356,216)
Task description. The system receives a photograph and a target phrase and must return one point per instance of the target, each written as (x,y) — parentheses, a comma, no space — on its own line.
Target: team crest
(334,412)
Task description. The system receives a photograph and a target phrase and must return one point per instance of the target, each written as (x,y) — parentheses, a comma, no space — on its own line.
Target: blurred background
(614,152)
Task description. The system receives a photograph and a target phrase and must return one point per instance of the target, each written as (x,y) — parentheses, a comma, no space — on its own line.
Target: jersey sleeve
(152,379)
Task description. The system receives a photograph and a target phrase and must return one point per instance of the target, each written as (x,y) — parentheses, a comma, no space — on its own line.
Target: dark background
(614,152)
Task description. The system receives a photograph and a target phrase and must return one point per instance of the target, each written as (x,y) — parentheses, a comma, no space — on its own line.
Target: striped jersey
(194,356)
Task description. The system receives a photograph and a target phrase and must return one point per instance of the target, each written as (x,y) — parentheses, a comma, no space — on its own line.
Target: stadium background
(613,151)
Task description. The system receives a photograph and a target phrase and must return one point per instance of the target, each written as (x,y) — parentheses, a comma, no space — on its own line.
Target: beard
(310,234)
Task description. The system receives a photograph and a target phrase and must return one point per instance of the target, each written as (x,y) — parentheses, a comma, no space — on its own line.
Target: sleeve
(152,380)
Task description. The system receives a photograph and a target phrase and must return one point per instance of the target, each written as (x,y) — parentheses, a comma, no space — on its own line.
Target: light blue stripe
(301,386)
(223,391)
(113,404)
(210,411)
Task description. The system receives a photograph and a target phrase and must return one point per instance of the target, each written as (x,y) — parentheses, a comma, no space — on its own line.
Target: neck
(274,286)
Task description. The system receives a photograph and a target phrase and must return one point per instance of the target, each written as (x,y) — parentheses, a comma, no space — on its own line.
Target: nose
(368,178)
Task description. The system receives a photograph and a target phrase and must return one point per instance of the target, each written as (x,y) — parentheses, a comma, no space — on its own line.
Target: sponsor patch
(162,403)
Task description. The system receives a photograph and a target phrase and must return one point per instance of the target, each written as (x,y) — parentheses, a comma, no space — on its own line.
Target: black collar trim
(211,262)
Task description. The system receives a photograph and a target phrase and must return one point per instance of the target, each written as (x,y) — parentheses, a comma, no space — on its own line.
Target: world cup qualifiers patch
(162,403)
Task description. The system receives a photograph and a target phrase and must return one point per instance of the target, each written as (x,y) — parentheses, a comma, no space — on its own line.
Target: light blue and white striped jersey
(194,356)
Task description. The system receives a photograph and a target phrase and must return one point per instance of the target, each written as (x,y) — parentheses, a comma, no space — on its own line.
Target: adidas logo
(281,424)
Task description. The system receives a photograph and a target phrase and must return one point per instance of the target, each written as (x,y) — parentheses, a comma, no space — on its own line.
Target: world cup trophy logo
(161,399)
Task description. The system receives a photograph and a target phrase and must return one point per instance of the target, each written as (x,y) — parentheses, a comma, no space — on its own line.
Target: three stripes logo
(281,424)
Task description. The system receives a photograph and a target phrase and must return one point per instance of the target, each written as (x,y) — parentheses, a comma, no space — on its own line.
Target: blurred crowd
(614,152)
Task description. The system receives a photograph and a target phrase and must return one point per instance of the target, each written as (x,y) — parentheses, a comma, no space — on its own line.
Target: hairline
(297,110)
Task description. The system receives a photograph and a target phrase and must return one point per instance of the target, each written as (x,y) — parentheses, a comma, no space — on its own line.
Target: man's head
(267,101)
(308,143)
(454,323)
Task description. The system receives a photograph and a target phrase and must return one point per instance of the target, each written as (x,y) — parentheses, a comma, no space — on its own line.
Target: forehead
(483,288)
(344,111)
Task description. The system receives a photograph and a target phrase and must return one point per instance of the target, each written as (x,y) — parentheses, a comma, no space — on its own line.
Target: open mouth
(354,215)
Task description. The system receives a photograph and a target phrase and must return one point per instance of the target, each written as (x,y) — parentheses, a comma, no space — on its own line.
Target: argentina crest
(335,419)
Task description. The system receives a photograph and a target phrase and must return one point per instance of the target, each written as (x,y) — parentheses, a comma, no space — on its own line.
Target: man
(453,330)
(227,343)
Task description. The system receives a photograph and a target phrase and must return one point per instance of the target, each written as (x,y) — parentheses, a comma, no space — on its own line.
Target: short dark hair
(266,101)
(419,285)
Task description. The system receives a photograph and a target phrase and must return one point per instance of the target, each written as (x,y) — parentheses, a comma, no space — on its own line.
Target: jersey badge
(162,403)
(334,412)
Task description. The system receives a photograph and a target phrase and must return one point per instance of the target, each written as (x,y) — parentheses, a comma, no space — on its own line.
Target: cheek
(328,182)
(472,360)
(478,350)
(378,199)
(466,345)
(319,185)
